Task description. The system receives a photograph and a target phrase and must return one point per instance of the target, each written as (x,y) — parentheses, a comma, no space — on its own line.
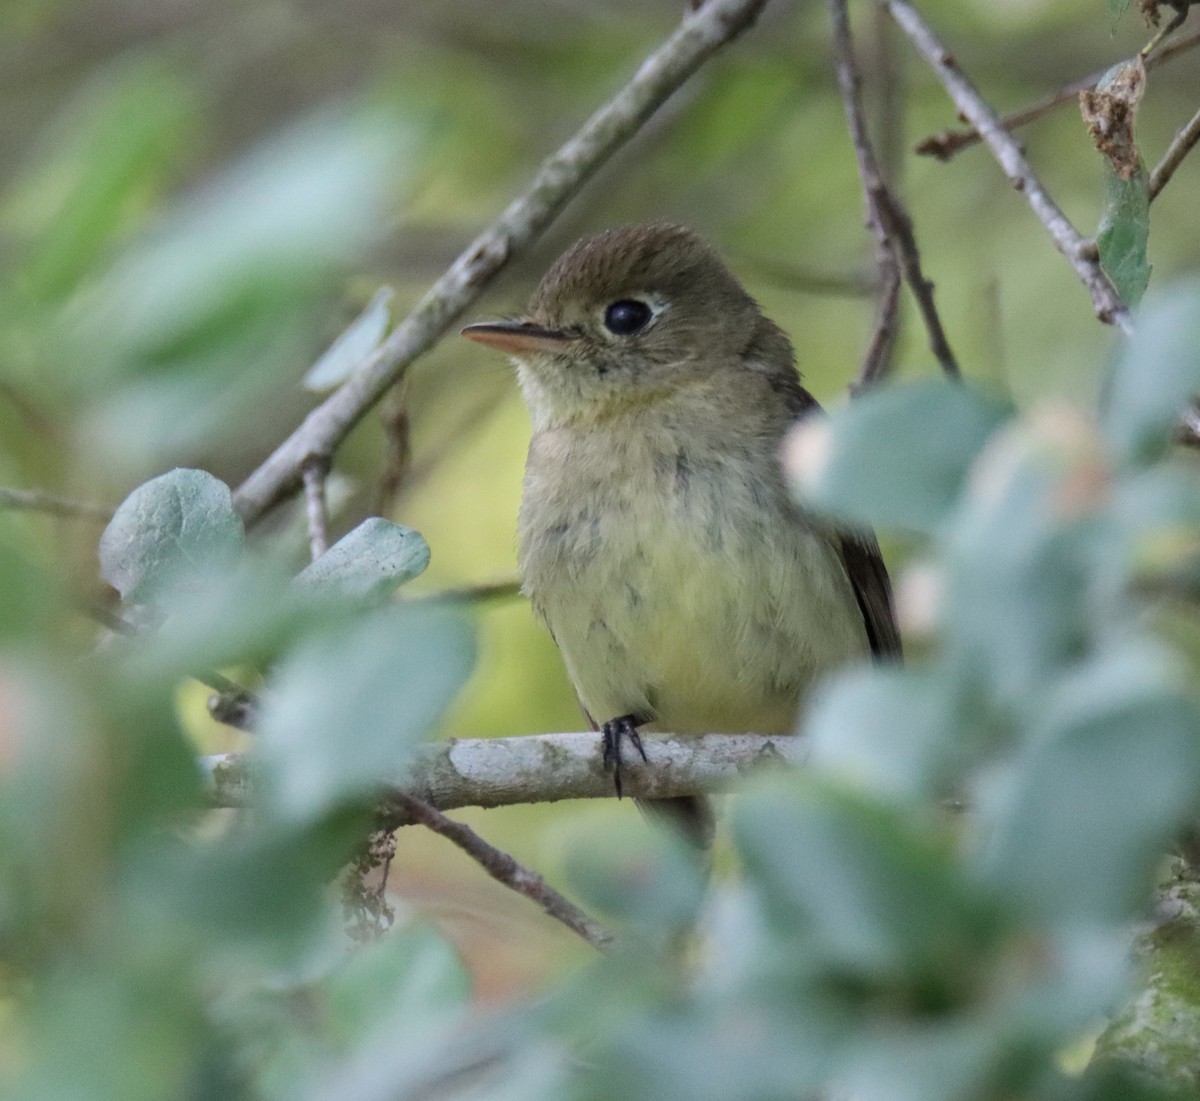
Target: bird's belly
(660,620)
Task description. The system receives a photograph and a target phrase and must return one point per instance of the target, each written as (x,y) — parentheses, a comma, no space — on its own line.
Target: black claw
(625,726)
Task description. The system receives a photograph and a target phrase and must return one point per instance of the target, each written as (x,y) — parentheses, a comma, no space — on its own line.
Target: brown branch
(397,434)
(504,869)
(1181,145)
(701,34)
(1107,302)
(886,216)
(945,145)
(35,500)
(877,361)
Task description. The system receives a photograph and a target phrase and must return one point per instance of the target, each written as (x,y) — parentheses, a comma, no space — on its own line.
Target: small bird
(685,588)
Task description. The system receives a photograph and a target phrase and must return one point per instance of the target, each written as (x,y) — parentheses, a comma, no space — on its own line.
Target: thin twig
(877,361)
(810,280)
(945,145)
(1181,145)
(888,219)
(1107,302)
(397,461)
(504,869)
(316,510)
(474,594)
(234,705)
(35,500)
(699,36)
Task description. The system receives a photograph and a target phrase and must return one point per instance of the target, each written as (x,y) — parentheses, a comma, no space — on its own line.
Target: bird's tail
(691,815)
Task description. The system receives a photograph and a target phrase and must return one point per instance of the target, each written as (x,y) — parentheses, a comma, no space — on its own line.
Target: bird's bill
(516,337)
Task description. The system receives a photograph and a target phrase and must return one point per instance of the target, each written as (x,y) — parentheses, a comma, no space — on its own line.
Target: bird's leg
(624,726)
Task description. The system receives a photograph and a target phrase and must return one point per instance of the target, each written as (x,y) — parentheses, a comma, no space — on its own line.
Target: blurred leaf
(649,878)
(100,168)
(942,1061)
(1110,771)
(177,528)
(1124,233)
(28,594)
(352,348)
(348,707)
(271,227)
(367,563)
(897,456)
(254,902)
(1156,374)
(857,883)
(1017,608)
(892,731)
(412,980)
(134,1029)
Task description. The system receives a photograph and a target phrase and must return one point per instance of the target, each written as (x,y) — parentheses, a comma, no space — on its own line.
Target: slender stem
(1083,259)
(701,34)
(945,145)
(888,219)
(504,869)
(1182,144)
(36,500)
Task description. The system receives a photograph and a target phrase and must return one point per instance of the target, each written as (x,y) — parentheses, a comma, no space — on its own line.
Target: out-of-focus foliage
(194,200)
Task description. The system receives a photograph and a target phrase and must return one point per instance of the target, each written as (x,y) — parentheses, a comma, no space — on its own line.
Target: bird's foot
(625,726)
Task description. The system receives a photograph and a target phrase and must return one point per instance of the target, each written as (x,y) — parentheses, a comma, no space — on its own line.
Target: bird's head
(622,319)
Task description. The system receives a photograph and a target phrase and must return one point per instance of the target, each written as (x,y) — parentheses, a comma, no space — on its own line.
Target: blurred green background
(120,121)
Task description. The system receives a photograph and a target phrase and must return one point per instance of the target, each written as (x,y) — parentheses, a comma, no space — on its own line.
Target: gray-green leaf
(368,562)
(177,528)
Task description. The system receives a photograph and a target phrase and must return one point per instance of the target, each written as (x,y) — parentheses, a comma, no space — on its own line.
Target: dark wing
(873,591)
(860,552)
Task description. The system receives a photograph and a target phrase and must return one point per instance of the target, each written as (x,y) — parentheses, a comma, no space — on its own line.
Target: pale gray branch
(1182,144)
(542,768)
(701,33)
(972,107)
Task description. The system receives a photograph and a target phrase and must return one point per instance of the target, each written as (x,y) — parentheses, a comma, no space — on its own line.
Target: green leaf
(368,562)
(1109,773)
(891,731)
(1124,232)
(348,707)
(108,157)
(645,877)
(861,888)
(353,347)
(1016,603)
(1116,9)
(175,529)
(897,456)
(1156,374)
(415,981)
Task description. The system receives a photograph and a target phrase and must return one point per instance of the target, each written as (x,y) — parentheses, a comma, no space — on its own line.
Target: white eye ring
(630,314)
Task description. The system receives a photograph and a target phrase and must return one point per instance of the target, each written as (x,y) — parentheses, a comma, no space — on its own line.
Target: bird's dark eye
(627,316)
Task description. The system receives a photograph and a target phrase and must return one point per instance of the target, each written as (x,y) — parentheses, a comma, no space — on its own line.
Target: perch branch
(504,869)
(1107,302)
(701,33)
(542,768)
